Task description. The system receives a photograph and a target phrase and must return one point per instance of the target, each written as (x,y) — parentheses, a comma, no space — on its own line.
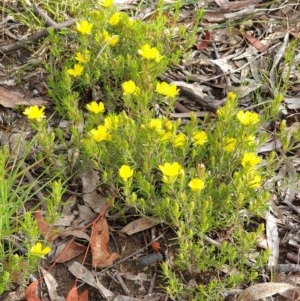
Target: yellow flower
(125,172)
(155,124)
(250,160)
(150,53)
(196,184)
(76,71)
(170,171)
(253,180)
(105,35)
(107,3)
(165,136)
(168,125)
(179,140)
(100,134)
(83,57)
(114,19)
(34,112)
(95,107)
(199,138)
(111,40)
(220,112)
(250,139)
(229,144)
(247,118)
(231,96)
(130,22)
(166,89)
(84,27)
(38,250)
(111,122)
(130,87)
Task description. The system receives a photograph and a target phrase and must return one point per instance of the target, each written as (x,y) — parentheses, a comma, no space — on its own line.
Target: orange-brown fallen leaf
(256,43)
(207,39)
(72,250)
(84,296)
(30,293)
(74,296)
(99,245)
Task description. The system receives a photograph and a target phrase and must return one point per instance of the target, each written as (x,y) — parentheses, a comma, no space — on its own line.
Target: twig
(123,284)
(39,12)
(34,38)
(151,287)
(189,93)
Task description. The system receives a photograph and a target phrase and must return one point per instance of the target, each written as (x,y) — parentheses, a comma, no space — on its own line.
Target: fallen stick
(34,38)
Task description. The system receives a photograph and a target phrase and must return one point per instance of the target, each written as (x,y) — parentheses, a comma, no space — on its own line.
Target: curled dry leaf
(256,43)
(99,245)
(207,39)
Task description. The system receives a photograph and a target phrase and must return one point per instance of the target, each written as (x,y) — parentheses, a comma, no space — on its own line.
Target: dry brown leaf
(11,99)
(51,286)
(84,296)
(72,250)
(259,46)
(86,213)
(206,41)
(292,103)
(90,182)
(73,294)
(263,290)
(82,273)
(138,225)
(99,245)
(30,293)
(270,145)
